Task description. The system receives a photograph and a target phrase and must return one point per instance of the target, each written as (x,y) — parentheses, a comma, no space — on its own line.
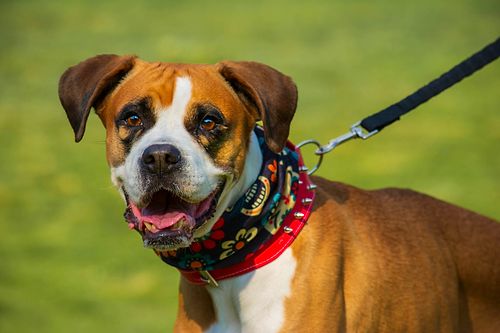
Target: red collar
(276,245)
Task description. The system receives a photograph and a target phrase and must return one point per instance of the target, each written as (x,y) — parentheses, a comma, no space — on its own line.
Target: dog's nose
(160,158)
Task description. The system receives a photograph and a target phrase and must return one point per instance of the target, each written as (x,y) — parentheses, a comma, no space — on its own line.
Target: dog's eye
(208,123)
(133,120)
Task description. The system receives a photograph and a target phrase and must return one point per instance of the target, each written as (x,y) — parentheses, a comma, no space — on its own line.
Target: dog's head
(179,137)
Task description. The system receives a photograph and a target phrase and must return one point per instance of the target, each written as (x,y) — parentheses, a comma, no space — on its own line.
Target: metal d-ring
(320,159)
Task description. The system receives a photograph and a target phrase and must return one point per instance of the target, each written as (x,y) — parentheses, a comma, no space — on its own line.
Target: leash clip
(356,131)
(318,164)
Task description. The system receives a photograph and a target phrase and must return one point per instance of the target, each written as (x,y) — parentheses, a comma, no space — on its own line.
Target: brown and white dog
(367,261)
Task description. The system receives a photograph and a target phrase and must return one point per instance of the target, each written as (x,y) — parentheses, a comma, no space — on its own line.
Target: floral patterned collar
(257,228)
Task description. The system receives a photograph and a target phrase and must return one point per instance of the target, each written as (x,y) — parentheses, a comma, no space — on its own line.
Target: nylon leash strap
(375,123)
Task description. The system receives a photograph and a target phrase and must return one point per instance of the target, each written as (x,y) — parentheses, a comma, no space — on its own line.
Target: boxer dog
(224,200)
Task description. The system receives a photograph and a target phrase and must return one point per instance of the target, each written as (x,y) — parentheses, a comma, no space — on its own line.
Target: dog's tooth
(181,223)
(151,227)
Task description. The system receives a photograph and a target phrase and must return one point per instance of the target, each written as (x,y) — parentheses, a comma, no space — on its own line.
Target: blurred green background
(68,261)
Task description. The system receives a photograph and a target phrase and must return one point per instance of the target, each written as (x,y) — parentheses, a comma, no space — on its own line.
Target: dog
(261,246)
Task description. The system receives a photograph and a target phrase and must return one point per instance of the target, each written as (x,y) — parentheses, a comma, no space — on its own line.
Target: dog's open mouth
(168,221)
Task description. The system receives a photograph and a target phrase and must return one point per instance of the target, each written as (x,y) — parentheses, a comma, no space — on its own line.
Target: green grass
(68,262)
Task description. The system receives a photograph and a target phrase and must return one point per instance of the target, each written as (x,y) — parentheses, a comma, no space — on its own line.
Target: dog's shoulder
(390,200)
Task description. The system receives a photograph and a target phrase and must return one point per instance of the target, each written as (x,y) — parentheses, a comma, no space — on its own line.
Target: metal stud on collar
(303,168)
(298,215)
(311,187)
(307,201)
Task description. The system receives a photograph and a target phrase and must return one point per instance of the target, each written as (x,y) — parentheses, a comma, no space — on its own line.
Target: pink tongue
(165,210)
(163,220)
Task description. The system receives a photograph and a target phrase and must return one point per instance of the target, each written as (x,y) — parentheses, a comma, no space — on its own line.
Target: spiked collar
(258,228)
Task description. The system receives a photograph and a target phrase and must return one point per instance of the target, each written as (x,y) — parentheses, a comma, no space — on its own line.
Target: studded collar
(258,228)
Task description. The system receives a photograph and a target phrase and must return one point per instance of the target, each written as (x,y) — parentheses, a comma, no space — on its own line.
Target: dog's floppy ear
(85,85)
(269,93)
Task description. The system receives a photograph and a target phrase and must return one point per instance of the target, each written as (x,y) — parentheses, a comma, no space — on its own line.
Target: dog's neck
(250,172)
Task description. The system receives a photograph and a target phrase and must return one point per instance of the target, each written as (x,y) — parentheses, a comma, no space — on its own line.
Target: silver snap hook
(320,156)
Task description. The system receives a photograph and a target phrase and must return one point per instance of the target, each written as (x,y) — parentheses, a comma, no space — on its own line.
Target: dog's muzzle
(165,216)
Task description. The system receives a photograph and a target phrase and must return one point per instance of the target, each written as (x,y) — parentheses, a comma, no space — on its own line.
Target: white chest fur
(254,302)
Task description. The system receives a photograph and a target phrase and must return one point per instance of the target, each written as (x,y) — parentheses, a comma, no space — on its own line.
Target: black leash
(377,122)
(467,67)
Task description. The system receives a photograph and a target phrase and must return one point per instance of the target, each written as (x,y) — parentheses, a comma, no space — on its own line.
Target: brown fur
(367,261)
(196,311)
(386,261)
(394,261)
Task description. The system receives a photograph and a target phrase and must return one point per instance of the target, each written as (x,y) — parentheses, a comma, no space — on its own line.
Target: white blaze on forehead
(182,95)
(198,177)
(170,124)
